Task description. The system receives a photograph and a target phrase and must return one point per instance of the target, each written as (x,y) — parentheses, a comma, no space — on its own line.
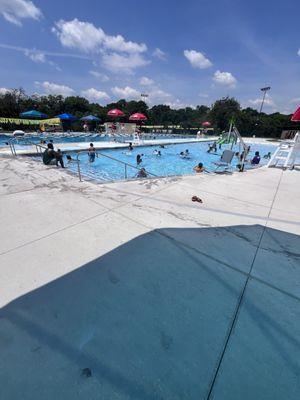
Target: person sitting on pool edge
(52,157)
(199,168)
(256,159)
(142,173)
(91,153)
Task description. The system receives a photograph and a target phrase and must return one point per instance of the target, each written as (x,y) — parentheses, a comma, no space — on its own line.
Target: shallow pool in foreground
(169,164)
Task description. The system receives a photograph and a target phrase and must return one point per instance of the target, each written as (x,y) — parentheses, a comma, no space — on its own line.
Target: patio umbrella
(90,118)
(138,117)
(115,113)
(66,117)
(33,114)
(296,115)
(206,123)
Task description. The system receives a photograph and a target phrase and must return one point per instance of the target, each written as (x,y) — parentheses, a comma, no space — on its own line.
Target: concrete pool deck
(129,290)
(77,146)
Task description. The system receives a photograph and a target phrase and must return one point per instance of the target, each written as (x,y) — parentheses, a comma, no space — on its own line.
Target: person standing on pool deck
(91,153)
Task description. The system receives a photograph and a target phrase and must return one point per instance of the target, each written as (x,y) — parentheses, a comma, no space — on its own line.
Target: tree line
(248,120)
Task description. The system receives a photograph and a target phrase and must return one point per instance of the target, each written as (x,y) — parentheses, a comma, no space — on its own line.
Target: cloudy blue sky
(178,52)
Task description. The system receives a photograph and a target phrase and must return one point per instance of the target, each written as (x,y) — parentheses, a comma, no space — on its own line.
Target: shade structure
(206,123)
(67,117)
(138,117)
(296,115)
(90,118)
(33,114)
(115,113)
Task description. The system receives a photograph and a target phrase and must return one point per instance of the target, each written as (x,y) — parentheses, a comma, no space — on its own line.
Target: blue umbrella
(90,118)
(67,117)
(33,114)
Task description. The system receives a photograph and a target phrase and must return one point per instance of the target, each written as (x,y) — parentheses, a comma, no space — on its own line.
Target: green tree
(223,110)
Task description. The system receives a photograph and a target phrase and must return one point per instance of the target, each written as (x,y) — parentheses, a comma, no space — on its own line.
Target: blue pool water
(169,164)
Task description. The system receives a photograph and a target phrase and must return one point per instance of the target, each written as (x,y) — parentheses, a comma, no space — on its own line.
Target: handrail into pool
(112,158)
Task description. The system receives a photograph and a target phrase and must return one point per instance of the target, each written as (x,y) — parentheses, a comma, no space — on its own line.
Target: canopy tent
(66,117)
(33,114)
(90,118)
(296,115)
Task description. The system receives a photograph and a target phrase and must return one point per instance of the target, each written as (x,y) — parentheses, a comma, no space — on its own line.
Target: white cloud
(298,52)
(94,95)
(45,52)
(158,53)
(16,10)
(225,79)
(118,43)
(76,34)
(86,37)
(203,95)
(159,96)
(295,100)
(144,81)
(100,76)
(197,59)
(126,92)
(268,101)
(123,63)
(4,90)
(54,88)
(35,55)
(177,104)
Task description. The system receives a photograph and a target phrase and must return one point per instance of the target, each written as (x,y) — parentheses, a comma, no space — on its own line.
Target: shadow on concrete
(148,320)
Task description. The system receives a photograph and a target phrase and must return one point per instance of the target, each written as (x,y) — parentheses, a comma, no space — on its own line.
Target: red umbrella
(296,115)
(137,117)
(206,123)
(115,113)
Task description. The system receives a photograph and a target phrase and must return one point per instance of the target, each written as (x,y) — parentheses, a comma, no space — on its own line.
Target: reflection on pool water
(170,163)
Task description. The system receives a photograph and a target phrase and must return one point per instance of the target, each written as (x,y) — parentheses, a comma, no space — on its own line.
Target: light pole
(264,90)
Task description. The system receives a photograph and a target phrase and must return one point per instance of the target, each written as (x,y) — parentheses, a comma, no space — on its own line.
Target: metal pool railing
(40,149)
(125,164)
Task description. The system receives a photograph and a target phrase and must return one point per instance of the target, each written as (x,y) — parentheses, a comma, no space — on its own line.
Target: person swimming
(256,159)
(199,168)
(142,173)
(268,156)
(130,147)
(139,159)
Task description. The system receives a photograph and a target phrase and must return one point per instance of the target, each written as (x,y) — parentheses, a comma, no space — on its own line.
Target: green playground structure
(227,138)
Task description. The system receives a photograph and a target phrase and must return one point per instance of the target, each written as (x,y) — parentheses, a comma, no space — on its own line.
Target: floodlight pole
(264,90)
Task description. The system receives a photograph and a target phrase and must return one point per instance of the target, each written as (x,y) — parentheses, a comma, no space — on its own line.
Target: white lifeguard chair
(287,154)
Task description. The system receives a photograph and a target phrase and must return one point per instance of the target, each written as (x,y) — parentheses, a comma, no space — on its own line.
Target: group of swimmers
(185,154)
(55,157)
(212,147)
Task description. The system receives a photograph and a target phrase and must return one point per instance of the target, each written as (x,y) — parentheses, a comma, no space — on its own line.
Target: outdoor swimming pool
(82,137)
(169,164)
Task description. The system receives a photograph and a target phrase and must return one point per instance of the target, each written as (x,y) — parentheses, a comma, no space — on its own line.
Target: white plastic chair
(225,160)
